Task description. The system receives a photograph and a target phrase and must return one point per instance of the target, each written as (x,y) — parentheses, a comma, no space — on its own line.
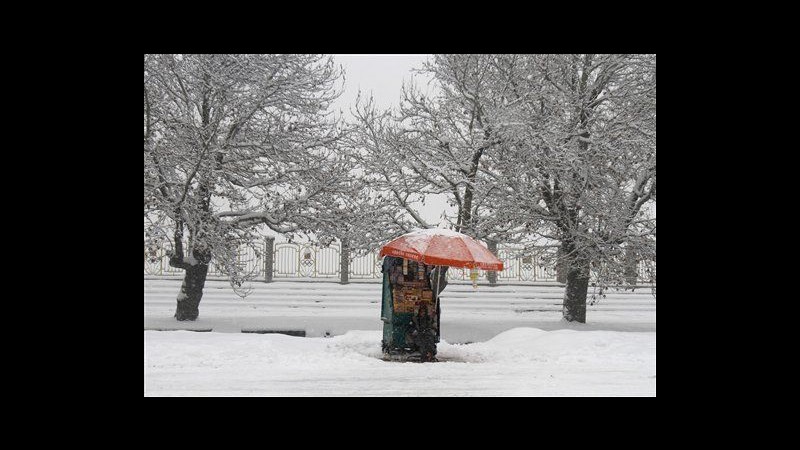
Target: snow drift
(518,362)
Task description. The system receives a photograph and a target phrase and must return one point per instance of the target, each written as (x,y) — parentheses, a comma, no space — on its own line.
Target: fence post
(492,274)
(344,262)
(269,256)
(631,267)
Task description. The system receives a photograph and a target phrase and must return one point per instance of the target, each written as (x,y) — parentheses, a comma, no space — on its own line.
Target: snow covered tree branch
(233,142)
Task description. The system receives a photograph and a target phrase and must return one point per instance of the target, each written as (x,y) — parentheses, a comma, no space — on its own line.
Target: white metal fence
(303,260)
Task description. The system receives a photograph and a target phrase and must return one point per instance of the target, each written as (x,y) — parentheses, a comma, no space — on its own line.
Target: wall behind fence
(297,261)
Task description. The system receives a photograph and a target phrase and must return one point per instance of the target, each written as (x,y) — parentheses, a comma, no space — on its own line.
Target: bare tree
(358,217)
(435,144)
(579,159)
(231,143)
(377,145)
(442,142)
(528,147)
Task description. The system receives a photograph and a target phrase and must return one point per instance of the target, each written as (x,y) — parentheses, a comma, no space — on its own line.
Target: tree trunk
(577,286)
(191,292)
(561,265)
(465,221)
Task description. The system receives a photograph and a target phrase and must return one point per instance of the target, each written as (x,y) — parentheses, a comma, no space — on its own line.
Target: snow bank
(535,345)
(520,361)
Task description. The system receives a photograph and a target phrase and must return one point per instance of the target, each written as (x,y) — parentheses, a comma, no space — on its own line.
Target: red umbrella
(439,247)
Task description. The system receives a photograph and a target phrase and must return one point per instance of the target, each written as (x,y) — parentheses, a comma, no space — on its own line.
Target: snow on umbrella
(440,247)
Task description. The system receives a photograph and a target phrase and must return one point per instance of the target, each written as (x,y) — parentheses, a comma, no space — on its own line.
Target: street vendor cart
(414,274)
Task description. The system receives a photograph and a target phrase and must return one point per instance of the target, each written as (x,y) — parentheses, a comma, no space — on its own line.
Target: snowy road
(513,343)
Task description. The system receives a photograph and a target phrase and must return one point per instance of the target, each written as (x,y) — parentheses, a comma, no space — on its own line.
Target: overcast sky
(381,74)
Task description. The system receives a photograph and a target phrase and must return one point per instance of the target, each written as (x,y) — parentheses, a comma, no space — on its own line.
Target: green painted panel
(386,309)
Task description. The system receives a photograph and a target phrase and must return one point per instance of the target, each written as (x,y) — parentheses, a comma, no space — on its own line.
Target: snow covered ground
(496,341)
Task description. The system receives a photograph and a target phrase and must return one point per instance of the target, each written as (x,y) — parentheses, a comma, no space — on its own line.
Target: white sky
(380,74)
(383,75)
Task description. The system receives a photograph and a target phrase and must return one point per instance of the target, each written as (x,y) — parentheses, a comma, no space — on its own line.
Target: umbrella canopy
(439,247)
